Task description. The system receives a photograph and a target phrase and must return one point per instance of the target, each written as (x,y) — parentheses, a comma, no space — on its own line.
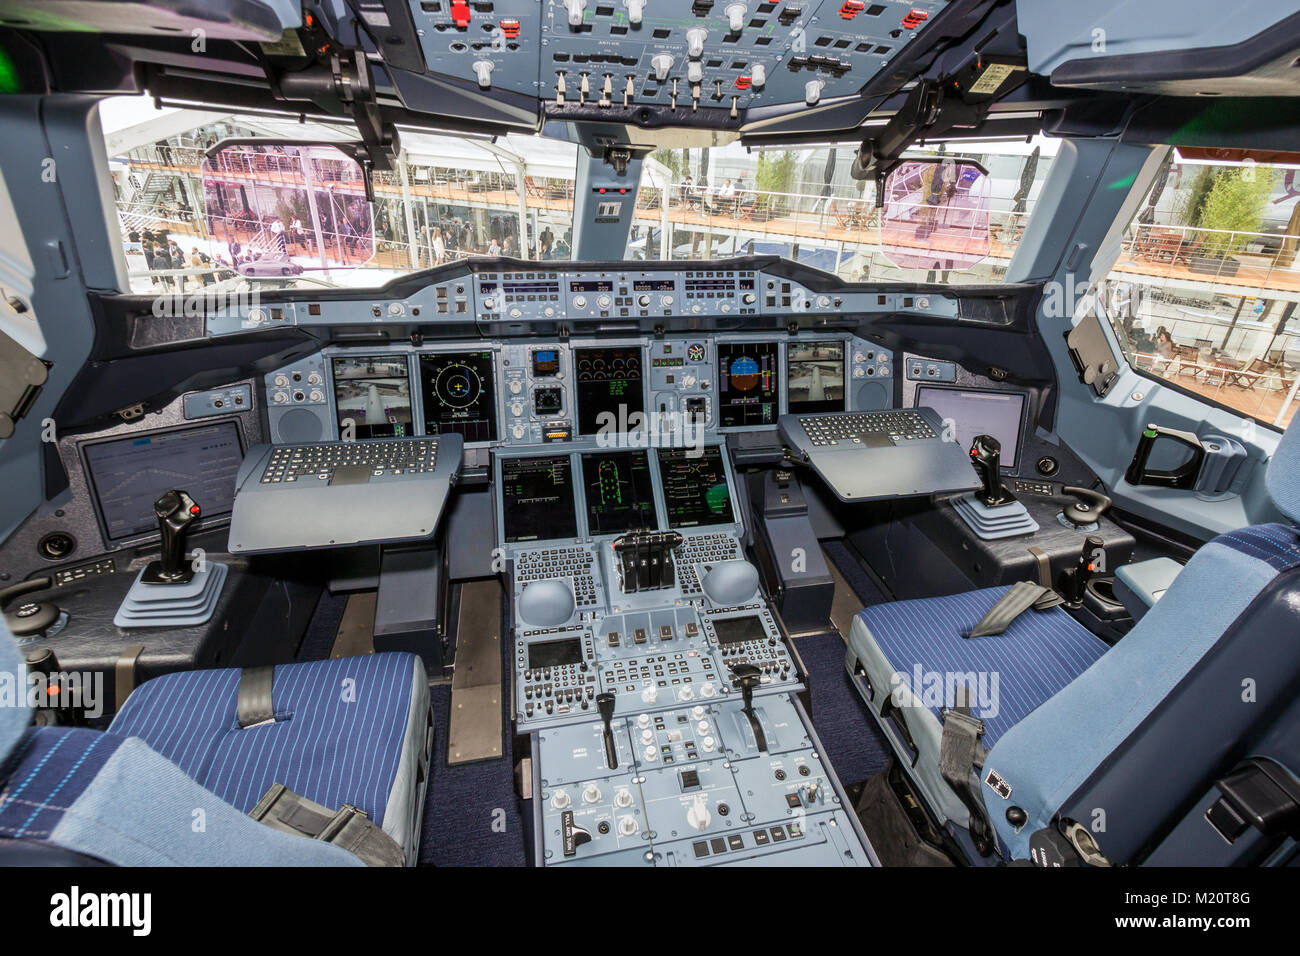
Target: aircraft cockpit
(649,433)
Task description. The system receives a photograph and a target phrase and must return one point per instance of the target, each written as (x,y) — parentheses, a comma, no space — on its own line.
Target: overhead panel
(683,55)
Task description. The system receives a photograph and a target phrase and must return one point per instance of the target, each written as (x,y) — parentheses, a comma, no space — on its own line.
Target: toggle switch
(812,91)
(559,89)
(483,70)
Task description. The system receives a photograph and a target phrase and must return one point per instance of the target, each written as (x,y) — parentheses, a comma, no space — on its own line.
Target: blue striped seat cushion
(337,738)
(1040,653)
(43,776)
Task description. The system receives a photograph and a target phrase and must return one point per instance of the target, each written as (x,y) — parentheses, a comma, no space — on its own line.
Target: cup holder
(1103,589)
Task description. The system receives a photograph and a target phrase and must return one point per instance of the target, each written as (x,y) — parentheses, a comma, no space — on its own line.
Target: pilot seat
(1042,743)
(194,761)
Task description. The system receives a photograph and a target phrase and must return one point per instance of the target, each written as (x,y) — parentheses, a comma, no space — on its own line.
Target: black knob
(1017,817)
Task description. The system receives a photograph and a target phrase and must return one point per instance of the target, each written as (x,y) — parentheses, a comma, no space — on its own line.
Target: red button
(460,13)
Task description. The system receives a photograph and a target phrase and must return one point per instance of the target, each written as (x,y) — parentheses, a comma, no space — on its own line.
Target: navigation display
(372,395)
(815,376)
(537,499)
(696,492)
(610,394)
(748,383)
(620,496)
(977,412)
(458,394)
(128,474)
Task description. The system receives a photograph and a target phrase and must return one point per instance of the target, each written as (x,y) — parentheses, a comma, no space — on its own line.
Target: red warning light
(742,82)
(194,509)
(510,29)
(851,8)
(915,18)
(460,14)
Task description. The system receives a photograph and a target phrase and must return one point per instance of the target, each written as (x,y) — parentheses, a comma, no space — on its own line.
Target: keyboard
(557,563)
(869,428)
(353,462)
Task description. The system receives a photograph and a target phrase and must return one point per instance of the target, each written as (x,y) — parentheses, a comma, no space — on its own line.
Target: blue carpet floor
(854,746)
(471,812)
(859,579)
(322,628)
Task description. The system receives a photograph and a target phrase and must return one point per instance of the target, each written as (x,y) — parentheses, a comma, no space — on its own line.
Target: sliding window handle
(1184,476)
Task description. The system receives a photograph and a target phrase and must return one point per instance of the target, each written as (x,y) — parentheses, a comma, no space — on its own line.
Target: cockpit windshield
(187,223)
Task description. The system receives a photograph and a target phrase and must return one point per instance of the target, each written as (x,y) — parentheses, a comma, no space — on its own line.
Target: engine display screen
(619,493)
(696,492)
(815,377)
(749,383)
(537,499)
(610,394)
(458,395)
(372,396)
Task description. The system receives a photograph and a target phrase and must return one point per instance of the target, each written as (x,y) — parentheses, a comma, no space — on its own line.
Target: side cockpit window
(1204,295)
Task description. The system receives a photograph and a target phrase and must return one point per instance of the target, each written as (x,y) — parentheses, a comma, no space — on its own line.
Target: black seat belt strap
(347,827)
(1021,597)
(254,705)
(960,752)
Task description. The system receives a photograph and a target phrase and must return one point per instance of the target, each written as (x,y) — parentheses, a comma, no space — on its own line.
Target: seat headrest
(1283,476)
(13,692)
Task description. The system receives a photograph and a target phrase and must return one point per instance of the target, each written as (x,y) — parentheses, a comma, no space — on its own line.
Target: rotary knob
(560,800)
(643,301)
(708,690)
(685,693)
(517,432)
(698,816)
(516,408)
(315,379)
(489,304)
(708,744)
(579,301)
(650,693)
(703,727)
(604,301)
(516,387)
(623,799)
(666,301)
(748,298)
(651,754)
(627,826)
(643,720)
(282,380)
(590,793)
(647,735)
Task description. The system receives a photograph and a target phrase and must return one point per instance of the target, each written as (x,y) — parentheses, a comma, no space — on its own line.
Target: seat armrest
(1140,584)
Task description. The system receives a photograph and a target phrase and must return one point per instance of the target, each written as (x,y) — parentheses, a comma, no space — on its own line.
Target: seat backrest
(1149,726)
(114,799)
